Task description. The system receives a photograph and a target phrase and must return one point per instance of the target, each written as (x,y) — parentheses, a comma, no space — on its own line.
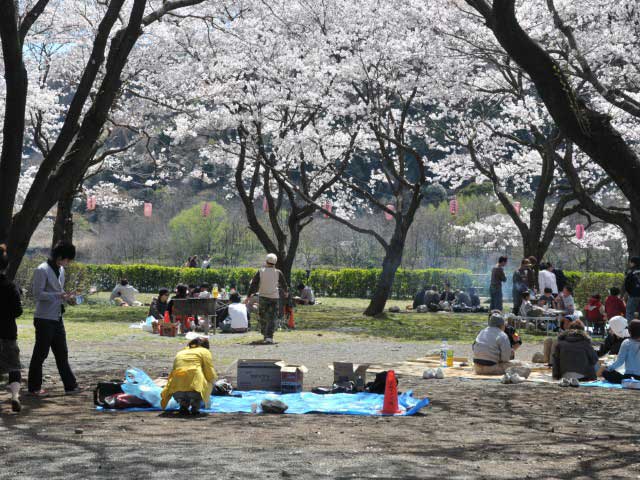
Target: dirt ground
(473,429)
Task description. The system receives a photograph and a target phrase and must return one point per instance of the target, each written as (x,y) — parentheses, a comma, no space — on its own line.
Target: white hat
(618,325)
(272,259)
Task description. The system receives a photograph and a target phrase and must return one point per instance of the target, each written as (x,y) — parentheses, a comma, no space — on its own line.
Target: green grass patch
(333,320)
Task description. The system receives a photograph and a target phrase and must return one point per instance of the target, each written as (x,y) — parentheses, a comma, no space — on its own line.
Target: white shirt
(238,315)
(126,292)
(547,279)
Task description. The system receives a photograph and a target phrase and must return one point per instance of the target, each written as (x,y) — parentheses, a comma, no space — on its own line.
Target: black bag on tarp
(104,390)
(379,384)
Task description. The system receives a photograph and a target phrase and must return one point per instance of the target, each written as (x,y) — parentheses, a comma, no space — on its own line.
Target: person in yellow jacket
(192,377)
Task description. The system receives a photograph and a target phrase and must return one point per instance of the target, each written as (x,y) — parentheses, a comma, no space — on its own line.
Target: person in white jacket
(547,279)
(124,295)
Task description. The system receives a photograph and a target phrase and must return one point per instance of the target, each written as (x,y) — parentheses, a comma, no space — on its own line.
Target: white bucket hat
(272,259)
(618,325)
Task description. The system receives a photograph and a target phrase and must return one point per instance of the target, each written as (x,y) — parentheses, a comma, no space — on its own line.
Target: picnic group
(193,366)
(571,354)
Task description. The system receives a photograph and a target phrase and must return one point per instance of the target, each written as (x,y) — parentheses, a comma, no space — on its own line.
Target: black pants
(50,335)
(617,377)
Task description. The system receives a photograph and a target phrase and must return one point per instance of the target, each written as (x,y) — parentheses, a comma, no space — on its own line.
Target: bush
(592,282)
(347,282)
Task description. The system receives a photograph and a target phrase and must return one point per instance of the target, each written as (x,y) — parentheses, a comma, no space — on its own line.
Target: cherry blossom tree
(51,51)
(582,57)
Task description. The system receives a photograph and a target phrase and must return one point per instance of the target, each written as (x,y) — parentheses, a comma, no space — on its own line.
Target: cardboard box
(292,378)
(270,375)
(345,372)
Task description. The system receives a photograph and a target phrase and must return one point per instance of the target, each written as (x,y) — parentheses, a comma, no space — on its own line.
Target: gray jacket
(492,344)
(47,292)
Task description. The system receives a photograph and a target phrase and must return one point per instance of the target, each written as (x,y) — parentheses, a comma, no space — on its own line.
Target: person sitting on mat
(124,295)
(160,304)
(629,356)
(573,356)
(191,380)
(616,335)
(492,348)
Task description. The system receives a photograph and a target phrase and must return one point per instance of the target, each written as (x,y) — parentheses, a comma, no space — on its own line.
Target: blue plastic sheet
(600,384)
(139,384)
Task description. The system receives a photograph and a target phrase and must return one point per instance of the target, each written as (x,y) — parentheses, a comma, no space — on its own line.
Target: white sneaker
(515,379)
(439,374)
(574,382)
(428,374)
(506,379)
(268,341)
(564,382)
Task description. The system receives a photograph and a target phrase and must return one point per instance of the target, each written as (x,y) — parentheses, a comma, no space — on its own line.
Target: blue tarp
(340,403)
(138,383)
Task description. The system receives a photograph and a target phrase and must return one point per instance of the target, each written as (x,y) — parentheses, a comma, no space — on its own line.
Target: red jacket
(593,310)
(614,306)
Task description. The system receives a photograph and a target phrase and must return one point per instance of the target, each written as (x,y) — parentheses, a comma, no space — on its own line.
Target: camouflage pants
(267,315)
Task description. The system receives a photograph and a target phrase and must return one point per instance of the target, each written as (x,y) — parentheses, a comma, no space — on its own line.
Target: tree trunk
(63,226)
(390,265)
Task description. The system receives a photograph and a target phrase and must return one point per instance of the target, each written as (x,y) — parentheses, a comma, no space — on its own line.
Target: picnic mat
(366,404)
(139,384)
(540,373)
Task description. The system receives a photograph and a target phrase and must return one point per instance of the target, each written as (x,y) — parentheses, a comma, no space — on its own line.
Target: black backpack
(104,390)
(379,384)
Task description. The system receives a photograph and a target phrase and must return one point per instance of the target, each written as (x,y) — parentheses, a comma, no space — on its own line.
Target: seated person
(182,292)
(617,334)
(475,299)
(492,349)
(573,355)
(306,296)
(546,299)
(595,314)
(432,298)
(629,356)
(526,306)
(238,316)
(418,299)
(448,295)
(192,377)
(205,291)
(160,304)
(614,305)
(462,298)
(124,295)
(194,291)
(569,308)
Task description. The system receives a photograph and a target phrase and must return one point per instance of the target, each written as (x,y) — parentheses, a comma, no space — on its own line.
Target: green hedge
(347,282)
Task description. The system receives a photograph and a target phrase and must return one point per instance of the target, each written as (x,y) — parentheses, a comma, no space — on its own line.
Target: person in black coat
(10,300)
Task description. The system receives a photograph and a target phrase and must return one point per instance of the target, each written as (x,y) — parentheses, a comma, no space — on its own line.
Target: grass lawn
(99,321)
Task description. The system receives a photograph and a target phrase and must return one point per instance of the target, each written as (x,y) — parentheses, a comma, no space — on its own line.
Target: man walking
(632,287)
(497,279)
(49,294)
(268,282)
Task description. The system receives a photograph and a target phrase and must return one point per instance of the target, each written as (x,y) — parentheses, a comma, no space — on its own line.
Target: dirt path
(473,429)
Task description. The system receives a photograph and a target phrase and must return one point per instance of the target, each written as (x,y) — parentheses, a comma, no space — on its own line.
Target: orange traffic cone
(390,405)
(292,323)
(167,318)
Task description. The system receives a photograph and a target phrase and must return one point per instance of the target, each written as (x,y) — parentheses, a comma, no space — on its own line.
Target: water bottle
(450,356)
(215,290)
(444,347)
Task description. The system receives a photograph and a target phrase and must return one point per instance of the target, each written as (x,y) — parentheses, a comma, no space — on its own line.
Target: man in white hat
(269,283)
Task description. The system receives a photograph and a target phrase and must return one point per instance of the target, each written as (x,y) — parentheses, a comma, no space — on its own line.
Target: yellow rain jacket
(192,372)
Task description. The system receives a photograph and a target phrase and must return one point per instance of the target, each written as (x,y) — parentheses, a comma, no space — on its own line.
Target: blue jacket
(629,356)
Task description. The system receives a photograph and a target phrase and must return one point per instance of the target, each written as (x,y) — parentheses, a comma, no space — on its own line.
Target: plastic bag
(139,384)
(150,320)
